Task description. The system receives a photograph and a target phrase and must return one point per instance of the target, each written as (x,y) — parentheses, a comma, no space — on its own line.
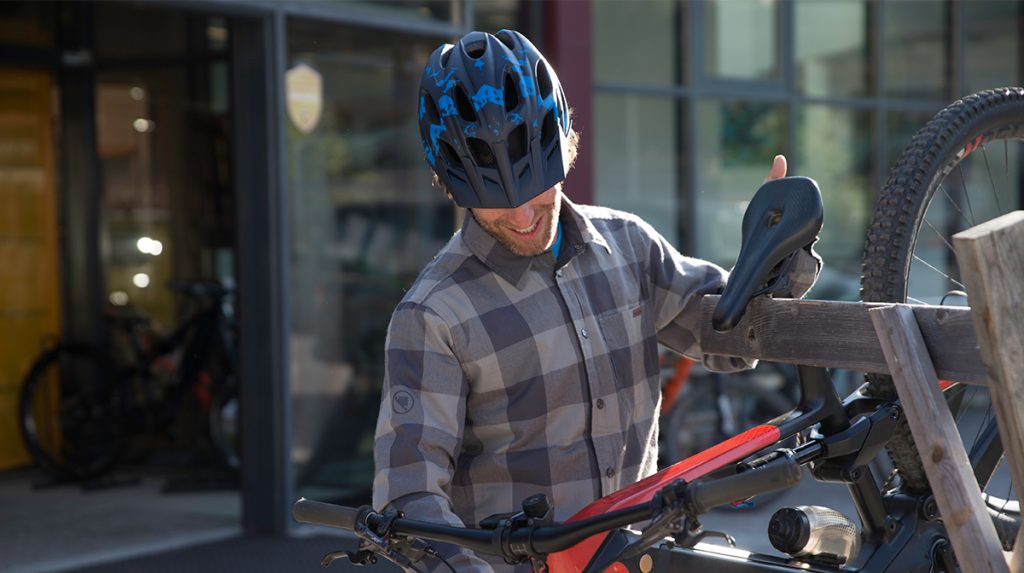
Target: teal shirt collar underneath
(558,241)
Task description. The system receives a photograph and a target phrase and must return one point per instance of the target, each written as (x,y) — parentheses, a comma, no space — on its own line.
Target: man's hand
(807,265)
(778,170)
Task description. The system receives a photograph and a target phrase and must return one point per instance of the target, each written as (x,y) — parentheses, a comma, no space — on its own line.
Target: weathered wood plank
(945,461)
(991,257)
(840,335)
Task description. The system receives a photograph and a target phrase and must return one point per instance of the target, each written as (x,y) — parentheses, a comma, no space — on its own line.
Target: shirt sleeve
(420,427)
(678,284)
(680,281)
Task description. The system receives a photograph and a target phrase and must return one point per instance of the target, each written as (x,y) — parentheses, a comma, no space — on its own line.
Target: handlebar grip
(777,474)
(319,513)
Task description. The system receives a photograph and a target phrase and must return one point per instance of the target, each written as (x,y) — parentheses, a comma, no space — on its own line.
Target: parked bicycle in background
(82,408)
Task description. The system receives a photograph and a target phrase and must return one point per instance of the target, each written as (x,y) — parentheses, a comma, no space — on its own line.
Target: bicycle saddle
(784,216)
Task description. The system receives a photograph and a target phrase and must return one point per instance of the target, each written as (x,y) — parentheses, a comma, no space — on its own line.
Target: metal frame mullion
(259,174)
(339,13)
(876,32)
(694,71)
(787,73)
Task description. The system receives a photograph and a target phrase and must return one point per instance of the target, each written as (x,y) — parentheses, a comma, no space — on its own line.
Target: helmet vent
(517,142)
(430,108)
(506,38)
(543,80)
(511,93)
(476,50)
(448,154)
(483,155)
(548,129)
(463,105)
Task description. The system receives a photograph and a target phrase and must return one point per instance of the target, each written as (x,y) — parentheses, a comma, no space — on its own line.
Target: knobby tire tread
(992,114)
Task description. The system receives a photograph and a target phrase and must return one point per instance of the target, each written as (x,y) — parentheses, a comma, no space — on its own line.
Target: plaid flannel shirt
(508,376)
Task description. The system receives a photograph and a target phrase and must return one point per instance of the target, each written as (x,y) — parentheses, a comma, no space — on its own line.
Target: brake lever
(373,544)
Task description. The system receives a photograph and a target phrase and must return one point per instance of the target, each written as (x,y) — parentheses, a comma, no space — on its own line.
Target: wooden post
(991,257)
(942,452)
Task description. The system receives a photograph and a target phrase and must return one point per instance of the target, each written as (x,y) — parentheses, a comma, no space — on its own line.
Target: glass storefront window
(163,143)
(994,44)
(833,146)
(364,221)
(741,39)
(494,15)
(831,44)
(738,140)
(916,42)
(432,9)
(637,41)
(636,154)
(27,23)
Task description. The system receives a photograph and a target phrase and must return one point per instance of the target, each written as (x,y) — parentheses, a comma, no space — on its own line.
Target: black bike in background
(82,408)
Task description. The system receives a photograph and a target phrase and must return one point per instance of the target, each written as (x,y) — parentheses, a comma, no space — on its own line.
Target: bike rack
(917,345)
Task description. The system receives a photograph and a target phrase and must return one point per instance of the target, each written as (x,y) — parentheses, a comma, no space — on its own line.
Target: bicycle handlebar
(320,513)
(511,542)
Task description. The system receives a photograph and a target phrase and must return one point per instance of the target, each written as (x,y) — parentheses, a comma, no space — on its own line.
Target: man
(524,359)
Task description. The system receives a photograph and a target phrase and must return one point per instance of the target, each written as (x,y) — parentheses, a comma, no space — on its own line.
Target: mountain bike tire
(922,173)
(65,417)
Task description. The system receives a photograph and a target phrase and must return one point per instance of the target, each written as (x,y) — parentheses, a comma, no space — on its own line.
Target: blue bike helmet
(494,120)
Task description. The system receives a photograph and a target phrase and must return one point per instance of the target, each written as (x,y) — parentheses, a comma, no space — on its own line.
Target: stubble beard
(531,247)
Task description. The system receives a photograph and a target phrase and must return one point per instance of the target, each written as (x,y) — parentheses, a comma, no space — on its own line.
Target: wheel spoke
(955,206)
(999,208)
(967,196)
(940,235)
(949,278)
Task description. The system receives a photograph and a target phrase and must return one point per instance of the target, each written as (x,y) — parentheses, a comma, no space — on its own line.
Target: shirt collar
(579,231)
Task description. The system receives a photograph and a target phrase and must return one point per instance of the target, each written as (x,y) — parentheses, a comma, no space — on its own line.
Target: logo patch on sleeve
(402,401)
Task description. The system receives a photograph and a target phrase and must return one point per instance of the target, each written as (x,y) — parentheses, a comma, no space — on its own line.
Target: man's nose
(522,216)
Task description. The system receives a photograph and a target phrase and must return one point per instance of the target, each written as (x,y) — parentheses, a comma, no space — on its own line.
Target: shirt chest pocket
(624,335)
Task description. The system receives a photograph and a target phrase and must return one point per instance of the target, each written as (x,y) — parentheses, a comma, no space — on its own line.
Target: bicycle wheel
(961,169)
(67,415)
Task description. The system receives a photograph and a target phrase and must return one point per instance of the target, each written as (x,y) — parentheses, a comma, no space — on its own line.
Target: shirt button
(583,333)
(558,273)
(600,404)
(609,472)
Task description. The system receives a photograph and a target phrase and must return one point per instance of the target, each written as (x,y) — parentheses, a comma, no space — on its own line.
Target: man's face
(527,230)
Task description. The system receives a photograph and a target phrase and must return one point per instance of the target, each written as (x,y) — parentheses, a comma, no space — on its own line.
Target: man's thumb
(778,169)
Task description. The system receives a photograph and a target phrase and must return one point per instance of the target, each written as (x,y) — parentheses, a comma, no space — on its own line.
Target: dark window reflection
(831,46)
(993,44)
(741,39)
(364,222)
(833,145)
(637,41)
(916,43)
(433,9)
(738,140)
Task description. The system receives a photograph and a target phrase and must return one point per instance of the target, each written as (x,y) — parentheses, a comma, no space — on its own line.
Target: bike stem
(848,446)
